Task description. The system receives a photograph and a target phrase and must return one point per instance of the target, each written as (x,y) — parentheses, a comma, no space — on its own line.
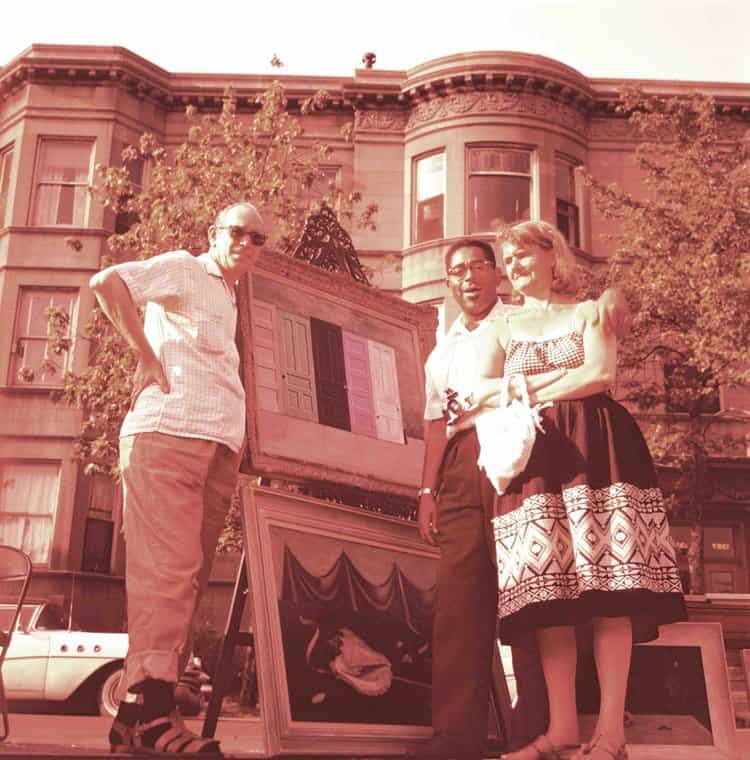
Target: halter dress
(582,532)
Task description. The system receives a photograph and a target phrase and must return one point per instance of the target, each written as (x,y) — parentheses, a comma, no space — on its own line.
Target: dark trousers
(464,629)
(530,716)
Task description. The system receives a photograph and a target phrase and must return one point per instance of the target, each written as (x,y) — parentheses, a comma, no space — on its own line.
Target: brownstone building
(445,149)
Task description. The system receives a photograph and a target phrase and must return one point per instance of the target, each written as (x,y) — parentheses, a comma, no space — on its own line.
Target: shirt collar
(210,265)
(459,328)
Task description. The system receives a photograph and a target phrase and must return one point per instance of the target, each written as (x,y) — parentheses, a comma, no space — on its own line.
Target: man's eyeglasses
(459,271)
(240,233)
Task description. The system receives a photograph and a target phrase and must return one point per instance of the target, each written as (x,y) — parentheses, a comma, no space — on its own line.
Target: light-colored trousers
(176,493)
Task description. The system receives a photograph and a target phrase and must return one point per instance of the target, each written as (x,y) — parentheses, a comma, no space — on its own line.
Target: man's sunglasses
(240,233)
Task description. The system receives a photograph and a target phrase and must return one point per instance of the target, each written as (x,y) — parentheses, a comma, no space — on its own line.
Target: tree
(682,259)
(224,159)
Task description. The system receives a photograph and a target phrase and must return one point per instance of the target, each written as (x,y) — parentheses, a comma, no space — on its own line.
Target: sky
(702,40)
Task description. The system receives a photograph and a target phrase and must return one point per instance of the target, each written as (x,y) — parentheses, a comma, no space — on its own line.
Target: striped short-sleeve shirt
(190,321)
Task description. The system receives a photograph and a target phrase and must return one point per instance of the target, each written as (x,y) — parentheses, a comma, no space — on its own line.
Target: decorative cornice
(380,121)
(536,79)
(460,104)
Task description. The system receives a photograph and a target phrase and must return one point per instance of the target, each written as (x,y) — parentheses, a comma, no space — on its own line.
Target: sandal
(541,748)
(599,749)
(121,738)
(176,739)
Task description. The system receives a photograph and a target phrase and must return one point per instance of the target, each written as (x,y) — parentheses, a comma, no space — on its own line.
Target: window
(28,502)
(429,192)
(499,186)
(684,386)
(568,221)
(62,184)
(33,362)
(6,159)
(99,533)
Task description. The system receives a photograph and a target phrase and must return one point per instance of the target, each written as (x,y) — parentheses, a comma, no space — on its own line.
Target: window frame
(6,169)
(532,175)
(414,210)
(12,376)
(571,164)
(37,183)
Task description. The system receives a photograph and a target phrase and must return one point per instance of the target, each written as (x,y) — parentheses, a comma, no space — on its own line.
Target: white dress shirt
(454,363)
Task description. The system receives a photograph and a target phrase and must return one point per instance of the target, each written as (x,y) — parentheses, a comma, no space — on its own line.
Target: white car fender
(76,655)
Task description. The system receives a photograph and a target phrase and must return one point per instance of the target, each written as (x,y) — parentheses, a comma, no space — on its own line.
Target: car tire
(107,696)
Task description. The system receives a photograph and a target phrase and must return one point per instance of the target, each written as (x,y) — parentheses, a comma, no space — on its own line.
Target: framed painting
(334,378)
(342,603)
(678,701)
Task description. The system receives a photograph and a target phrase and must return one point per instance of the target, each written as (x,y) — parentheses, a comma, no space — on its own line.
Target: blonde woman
(581,535)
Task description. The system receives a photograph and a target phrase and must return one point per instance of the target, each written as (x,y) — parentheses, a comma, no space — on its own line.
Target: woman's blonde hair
(548,238)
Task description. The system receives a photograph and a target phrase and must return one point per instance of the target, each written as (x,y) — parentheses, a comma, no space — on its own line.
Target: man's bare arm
(116,302)
(435,443)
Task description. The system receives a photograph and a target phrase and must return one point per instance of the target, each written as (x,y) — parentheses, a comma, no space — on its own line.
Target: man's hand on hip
(150,372)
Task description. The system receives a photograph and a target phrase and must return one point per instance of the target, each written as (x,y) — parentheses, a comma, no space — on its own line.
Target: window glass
(33,361)
(28,502)
(497,199)
(62,183)
(499,187)
(429,193)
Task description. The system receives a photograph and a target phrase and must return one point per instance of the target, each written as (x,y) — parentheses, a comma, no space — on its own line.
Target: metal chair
(15,575)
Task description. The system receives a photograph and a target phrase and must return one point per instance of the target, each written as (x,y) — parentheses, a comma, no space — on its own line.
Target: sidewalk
(48,737)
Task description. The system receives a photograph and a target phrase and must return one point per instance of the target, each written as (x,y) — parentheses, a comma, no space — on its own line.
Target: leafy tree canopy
(681,256)
(225,159)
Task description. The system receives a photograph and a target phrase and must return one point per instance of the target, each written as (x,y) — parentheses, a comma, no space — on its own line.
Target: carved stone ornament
(461,103)
(326,244)
(380,121)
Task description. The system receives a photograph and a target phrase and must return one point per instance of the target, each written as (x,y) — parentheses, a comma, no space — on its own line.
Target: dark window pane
(567,222)
(497,199)
(330,374)
(97,549)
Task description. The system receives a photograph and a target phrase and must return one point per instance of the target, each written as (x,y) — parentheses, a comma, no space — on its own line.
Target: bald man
(179,457)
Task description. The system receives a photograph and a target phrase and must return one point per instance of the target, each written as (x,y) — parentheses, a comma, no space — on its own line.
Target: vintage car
(48,659)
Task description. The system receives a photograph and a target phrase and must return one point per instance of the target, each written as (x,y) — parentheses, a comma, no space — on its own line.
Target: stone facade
(512,106)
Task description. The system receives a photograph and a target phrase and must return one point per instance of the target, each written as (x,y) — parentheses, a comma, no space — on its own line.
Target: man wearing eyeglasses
(179,456)
(455,507)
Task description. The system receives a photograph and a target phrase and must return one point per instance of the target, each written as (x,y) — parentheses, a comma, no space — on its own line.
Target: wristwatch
(424,491)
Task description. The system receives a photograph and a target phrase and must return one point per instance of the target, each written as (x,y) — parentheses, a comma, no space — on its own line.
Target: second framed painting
(342,603)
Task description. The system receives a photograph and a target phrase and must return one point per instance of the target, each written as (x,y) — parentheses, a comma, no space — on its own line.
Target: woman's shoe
(542,749)
(600,749)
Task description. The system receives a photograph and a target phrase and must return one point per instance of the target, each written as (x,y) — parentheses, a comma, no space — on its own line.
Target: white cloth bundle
(506,435)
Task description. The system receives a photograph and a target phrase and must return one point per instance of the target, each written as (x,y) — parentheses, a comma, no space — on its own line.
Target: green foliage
(225,159)
(682,259)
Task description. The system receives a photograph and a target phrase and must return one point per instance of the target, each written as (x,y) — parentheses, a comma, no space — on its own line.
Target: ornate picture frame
(294,431)
(341,616)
